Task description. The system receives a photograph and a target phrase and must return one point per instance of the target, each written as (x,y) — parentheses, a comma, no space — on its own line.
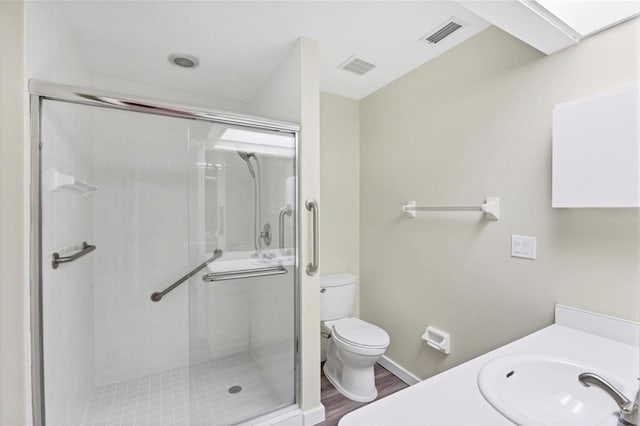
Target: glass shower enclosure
(165,284)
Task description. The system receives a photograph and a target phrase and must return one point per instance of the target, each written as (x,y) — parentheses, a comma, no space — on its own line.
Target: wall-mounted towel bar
(56,259)
(491,208)
(157,296)
(244,273)
(57,180)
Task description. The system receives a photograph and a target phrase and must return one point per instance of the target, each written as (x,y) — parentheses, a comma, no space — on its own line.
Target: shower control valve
(266,234)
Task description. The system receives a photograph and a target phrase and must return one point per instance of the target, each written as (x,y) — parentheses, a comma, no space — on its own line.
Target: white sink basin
(542,390)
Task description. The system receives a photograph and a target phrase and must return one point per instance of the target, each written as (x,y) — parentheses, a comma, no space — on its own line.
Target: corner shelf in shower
(57,181)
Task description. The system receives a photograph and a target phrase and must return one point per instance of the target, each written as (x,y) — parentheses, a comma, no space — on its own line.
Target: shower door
(136,328)
(242,306)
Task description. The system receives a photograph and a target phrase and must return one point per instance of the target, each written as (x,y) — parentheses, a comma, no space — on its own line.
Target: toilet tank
(337,294)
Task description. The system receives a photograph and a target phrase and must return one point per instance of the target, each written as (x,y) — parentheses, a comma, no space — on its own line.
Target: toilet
(354,345)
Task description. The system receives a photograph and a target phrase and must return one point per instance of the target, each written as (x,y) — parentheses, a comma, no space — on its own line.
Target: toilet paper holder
(438,339)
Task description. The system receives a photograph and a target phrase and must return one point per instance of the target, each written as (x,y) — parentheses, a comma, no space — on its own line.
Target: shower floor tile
(198,395)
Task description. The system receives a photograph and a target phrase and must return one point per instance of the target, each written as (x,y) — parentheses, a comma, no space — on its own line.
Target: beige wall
(340,185)
(13,288)
(476,122)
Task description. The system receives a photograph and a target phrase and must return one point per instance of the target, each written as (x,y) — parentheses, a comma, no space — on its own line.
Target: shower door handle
(312,205)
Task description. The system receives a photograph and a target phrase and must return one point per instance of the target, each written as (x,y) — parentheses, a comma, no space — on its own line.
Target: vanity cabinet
(596,151)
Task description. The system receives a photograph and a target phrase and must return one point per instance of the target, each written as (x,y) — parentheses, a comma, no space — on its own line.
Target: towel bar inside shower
(244,273)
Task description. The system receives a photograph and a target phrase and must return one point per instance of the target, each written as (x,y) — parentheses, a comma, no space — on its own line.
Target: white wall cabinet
(596,151)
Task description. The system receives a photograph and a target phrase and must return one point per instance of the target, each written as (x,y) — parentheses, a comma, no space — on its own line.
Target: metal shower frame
(40,91)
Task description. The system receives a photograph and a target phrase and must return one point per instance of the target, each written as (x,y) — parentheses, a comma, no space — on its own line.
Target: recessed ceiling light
(183,60)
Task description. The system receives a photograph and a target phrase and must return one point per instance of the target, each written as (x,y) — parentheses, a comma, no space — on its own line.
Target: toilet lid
(360,333)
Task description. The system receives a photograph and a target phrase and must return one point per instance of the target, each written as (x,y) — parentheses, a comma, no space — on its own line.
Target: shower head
(246,156)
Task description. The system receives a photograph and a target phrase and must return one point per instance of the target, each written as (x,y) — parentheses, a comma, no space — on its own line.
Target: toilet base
(330,375)
(350,366)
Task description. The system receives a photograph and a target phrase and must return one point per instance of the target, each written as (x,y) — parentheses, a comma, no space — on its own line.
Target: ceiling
(240,43)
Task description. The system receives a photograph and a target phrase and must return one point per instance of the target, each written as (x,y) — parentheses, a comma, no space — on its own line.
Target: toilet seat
(361,334)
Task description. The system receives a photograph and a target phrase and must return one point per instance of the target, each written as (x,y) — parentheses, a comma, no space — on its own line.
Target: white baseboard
(313,416)
(400,372)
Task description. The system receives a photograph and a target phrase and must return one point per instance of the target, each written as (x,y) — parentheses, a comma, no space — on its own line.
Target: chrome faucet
(628,410)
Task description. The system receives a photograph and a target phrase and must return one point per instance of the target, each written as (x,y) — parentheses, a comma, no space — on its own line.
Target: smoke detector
(356,65)
(446,29)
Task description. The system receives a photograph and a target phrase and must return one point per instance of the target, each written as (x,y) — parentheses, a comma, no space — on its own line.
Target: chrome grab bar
(157,296)
(285,211)
(56,259)
(312,205)
(244,273)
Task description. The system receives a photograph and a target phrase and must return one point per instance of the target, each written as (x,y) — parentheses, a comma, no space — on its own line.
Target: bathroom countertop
(453,397)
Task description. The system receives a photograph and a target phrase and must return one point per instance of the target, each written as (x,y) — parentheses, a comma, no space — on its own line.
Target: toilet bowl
(354,345)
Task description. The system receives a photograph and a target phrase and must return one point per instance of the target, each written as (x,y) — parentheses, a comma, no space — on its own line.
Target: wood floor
(336,405)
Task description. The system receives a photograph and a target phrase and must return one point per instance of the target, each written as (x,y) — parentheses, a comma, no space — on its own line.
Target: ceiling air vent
(357,66)
(443,31)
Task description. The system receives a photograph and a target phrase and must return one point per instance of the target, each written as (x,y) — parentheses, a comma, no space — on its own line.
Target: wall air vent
(357,66)
(443,31)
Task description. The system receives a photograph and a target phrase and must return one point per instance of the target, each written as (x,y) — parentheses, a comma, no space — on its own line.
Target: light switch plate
(523,246)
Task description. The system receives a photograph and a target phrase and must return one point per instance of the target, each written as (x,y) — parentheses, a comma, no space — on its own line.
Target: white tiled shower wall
(141,223)
(67,221)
